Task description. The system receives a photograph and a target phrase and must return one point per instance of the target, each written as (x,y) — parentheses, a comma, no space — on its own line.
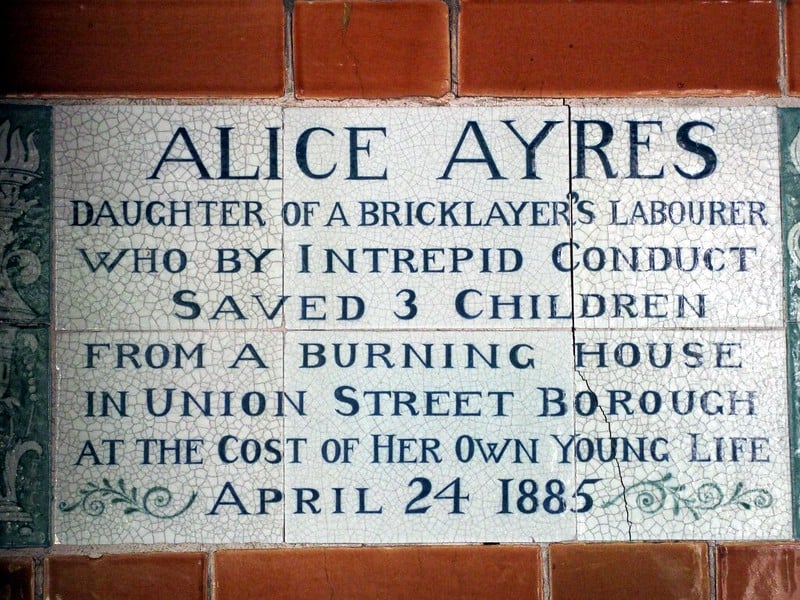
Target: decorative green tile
(24,437)
(790,199)
(25,183)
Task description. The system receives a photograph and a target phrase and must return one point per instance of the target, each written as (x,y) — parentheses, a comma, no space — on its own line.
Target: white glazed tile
(107,156)
(744,287)
(212,496)
(469,212)
(107,153)
(673,486)
(455,443)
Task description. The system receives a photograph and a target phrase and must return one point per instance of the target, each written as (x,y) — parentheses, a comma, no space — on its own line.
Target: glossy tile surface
(790,195)
(25,206)
(631,571)
(166,575)
(430,215)
(792,32)
(156,208)
(691,443)
(425,454)
(397,573)
(420,325)
(128,48)
(757,571)
(557,48)
(366,49)
(16,578)
(681,222)
(171,450)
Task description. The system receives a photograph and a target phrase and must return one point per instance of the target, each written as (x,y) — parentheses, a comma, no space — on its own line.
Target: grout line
(38,577)
(289,101)
(288,51)
(545,564)
(783,81)
(454,10)
(712,569)
(211,569)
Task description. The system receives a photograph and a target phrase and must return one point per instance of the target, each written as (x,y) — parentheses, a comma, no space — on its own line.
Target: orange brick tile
(413,573)
(157,576)
(16,579)
(367,49)
(793,45)
(758,571)
(545,48)
(133,48)
(629,571)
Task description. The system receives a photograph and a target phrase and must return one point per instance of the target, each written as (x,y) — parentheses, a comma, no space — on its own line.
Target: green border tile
(24,437)
(790,207)
(25,225)
(25,222)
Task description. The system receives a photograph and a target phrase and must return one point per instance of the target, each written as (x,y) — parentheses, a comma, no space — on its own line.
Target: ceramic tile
(422,439)
(757,571)
(25,187)
(685,218)
(154,576)
(688,443)
(16,578)
(790,204)
(431,217)
(167,217)
(228,48)
(413,573)
(556,48)
(630,571)
(393,256)
(363,49)
(169,437)
(24,437)
(792,33)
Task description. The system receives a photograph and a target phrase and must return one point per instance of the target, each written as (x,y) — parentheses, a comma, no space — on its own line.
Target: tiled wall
(434,53)
(400,48)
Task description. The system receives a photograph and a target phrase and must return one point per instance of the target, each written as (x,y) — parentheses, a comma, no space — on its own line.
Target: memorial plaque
(423,325)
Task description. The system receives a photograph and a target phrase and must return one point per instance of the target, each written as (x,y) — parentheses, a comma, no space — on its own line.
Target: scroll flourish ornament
(152,503)
(651,496)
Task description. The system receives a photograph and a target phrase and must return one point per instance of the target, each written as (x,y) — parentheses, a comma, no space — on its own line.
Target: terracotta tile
(166,575)
(16,579)
(132,48)
(366,49)
(758,571)
(793,45)
(389,573)
(617,47)
(630,571)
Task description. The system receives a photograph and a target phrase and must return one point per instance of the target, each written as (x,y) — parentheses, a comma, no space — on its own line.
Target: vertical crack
(571,278)
(616,461)
(572,196)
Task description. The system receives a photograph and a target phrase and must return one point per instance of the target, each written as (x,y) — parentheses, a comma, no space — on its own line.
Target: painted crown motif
(19,163)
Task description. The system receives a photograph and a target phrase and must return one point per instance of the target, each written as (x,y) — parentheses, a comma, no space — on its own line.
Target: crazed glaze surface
(420,324)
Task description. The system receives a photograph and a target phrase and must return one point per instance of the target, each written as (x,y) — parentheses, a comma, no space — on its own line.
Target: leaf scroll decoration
(154,502)
(652,496)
